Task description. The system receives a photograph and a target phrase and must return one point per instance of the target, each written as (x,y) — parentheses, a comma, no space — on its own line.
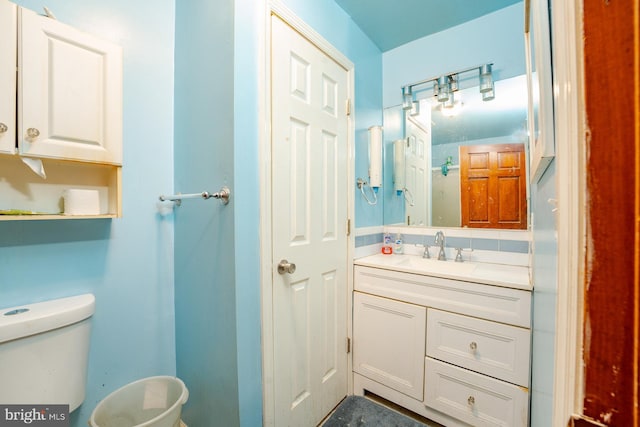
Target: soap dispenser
(399,247)
(387,249)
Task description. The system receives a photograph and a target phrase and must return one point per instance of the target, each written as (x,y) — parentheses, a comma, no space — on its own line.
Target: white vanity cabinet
(475,351)
(61,104)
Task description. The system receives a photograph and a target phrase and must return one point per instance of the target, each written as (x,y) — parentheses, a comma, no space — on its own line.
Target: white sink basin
(434,266)
(491,274)
(417,264)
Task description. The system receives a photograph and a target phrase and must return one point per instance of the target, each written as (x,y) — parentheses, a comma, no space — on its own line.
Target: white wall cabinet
(62,107)
(8,82)
(70,92)
(475,347)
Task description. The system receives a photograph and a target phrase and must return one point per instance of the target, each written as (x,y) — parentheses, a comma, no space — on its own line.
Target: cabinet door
(70,93)
(389,342)
(8,43)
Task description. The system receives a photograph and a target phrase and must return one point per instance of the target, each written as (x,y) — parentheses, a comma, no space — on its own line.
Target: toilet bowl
(149,402)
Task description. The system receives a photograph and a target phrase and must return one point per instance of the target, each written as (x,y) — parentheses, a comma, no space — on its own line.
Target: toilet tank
(44,349)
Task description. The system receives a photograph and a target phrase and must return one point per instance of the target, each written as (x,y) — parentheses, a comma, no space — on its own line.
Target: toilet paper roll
(81,202)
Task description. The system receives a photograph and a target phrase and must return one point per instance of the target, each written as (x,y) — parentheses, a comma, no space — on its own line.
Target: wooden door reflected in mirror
(493,186)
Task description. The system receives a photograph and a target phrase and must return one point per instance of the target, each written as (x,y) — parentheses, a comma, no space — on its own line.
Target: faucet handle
(425,253)
(459,253)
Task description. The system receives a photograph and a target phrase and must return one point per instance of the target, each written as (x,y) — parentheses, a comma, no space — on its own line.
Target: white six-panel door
(418,170)
(8,46)
(309,211)
(70,92)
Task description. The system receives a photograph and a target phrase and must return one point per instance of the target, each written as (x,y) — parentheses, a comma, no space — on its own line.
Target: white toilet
(44,348)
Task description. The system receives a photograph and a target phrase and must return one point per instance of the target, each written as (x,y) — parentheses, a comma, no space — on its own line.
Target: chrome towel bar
(222,195)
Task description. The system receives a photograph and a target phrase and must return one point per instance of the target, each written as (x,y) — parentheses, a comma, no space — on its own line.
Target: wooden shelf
(48,217)
(21,188)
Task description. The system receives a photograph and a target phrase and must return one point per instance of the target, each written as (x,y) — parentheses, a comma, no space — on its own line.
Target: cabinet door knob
(33,133)
(473,346)
(3,128)
(471,401)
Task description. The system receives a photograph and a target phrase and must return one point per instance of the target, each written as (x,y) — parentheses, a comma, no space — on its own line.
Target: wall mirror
(444,147)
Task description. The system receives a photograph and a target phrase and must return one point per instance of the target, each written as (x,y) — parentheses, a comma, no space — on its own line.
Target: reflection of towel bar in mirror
(222,195)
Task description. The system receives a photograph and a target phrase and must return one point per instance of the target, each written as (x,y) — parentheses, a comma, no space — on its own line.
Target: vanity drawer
(474,398)
(506,305)
(491,348)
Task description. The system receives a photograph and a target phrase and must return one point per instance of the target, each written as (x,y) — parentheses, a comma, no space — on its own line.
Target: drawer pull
(471,401)
(473,347)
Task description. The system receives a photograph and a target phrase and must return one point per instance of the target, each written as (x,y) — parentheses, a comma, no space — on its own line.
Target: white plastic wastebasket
(149,402)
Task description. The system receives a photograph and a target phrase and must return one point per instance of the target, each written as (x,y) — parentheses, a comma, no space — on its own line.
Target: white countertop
(510,276)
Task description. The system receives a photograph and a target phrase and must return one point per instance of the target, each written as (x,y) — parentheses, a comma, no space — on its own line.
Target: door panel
(309,211)
(418,172)
(493,186)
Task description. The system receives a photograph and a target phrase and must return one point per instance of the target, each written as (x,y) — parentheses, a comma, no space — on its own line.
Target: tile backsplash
(499,246)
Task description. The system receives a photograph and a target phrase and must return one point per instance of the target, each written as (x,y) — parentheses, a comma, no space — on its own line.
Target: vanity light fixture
(445,86)
(415,109)
(449,103)
(488,95)
(486,79)
(407,98)
(453,82)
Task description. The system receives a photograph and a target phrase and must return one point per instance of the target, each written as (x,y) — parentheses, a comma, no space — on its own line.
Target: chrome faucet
(440,241)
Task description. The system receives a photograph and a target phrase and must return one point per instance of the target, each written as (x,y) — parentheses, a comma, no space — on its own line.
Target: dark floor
(356,411)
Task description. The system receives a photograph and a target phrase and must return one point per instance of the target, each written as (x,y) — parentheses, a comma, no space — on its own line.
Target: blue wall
(127,263)
(545,269)
(249,41)
(205,282)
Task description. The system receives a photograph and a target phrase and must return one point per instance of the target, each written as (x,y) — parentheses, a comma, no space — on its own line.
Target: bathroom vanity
(450,341)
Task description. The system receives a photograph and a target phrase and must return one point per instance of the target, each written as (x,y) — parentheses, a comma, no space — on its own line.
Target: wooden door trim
(570,130)
(612,300)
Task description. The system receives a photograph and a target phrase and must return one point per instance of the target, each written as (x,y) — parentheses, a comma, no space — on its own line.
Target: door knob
(286,267)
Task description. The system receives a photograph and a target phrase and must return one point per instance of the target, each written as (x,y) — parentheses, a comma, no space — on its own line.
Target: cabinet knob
(473,346)
(33,133)
(3,128)
(471,401)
